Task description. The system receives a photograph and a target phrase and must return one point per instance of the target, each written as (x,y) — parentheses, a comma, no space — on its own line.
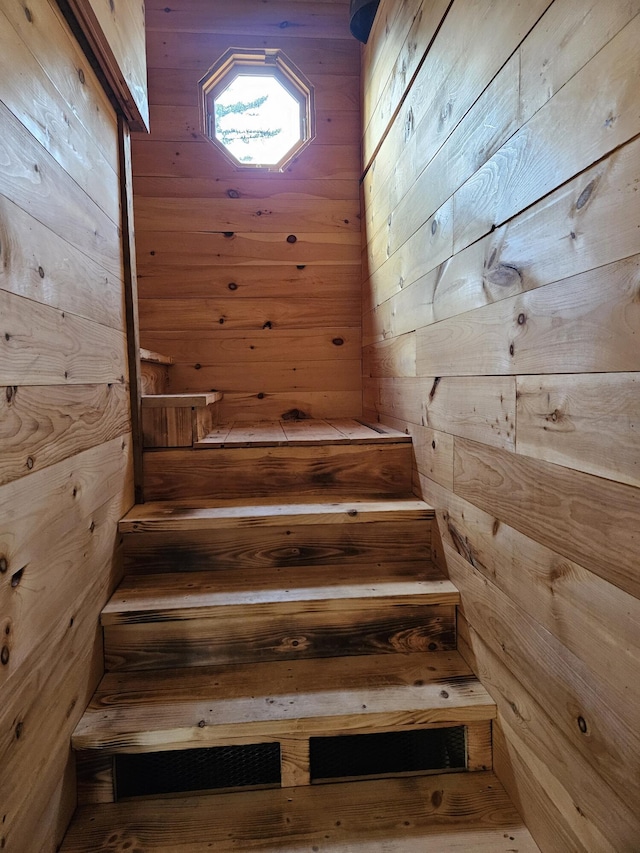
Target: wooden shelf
(179,401)
(154,357)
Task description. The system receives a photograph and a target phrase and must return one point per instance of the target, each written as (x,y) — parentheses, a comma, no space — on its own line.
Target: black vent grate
(223,767)
(351,756)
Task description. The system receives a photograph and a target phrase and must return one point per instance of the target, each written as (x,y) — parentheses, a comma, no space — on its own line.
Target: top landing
(300,433)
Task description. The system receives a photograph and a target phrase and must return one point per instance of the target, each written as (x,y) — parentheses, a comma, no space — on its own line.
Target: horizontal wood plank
(179,401)
(40,426)
(587,422)
(129,712)
(41,345)
(539,160)
(586,323)
(39,265)
(141,598)
(592,618)
(279,632)
(303,544)
(569,507)
(482,408)
(473,813)
(254,472)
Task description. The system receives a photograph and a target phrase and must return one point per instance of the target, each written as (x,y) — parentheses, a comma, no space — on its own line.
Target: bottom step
(453,813)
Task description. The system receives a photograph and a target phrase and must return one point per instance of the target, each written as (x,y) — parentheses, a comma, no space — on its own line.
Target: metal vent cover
(388,753)
(208,769)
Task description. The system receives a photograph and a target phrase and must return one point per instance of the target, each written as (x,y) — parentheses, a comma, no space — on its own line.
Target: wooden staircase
(309,639)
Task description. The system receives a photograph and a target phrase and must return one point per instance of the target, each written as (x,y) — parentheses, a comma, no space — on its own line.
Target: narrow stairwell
(282,672)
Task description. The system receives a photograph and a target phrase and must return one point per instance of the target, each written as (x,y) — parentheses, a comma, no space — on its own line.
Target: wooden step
(452,813)
(201,536)
(177,420)
(154,371)
(378,470)
(208,515)
(302,433)
(152,357)
(180,401)
(248,703)
(171,620)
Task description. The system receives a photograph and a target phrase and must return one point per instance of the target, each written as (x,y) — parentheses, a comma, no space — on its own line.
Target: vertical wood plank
(294,762)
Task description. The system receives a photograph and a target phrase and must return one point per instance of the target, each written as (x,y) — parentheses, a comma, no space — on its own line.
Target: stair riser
(365,470)
(302,545)
(154,377)
(216,640)
(97,777)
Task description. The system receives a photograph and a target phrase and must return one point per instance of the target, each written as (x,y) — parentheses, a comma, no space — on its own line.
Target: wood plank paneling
(530,150)
(560,507)
(600,99)
(261,268)
(65,474)
(40,426)
(38,264)
(588,422)
(116,34)
(254,472)
(319,20)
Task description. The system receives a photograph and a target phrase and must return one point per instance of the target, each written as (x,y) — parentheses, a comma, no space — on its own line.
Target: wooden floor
(454,813)
(300,433)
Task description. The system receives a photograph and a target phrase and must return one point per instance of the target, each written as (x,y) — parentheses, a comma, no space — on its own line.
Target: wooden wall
(65,460)
(273,324)
(501,329)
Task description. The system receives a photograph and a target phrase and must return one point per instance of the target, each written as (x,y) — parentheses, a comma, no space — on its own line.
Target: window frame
(271,62)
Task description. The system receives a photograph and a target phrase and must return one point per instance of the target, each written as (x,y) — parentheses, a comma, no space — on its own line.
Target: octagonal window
(257,108)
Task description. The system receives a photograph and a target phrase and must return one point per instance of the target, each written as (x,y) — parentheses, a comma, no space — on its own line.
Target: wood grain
(303,545)
(567,688)
(482,408)
(36,103)
(45,346)
(199,50)
(569,506)
(254,472)
(128,712)
(587,422)
(273,512)
(534,142)
(281,632)
(33,180)
(39,265)
(535,731)
(40,426)
(327,20)
(117,38)
(594,619)
(586,323)
(403,811)
(140,598)
(536,160)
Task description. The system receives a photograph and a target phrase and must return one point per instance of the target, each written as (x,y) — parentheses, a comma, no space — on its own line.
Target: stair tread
(207,514)
(456,813)
(190,595)
(301,433)
(152,357)
(170,401)
(171,709)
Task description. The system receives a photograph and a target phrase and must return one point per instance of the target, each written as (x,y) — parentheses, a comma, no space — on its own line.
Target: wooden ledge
(180,401)
(154,357)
